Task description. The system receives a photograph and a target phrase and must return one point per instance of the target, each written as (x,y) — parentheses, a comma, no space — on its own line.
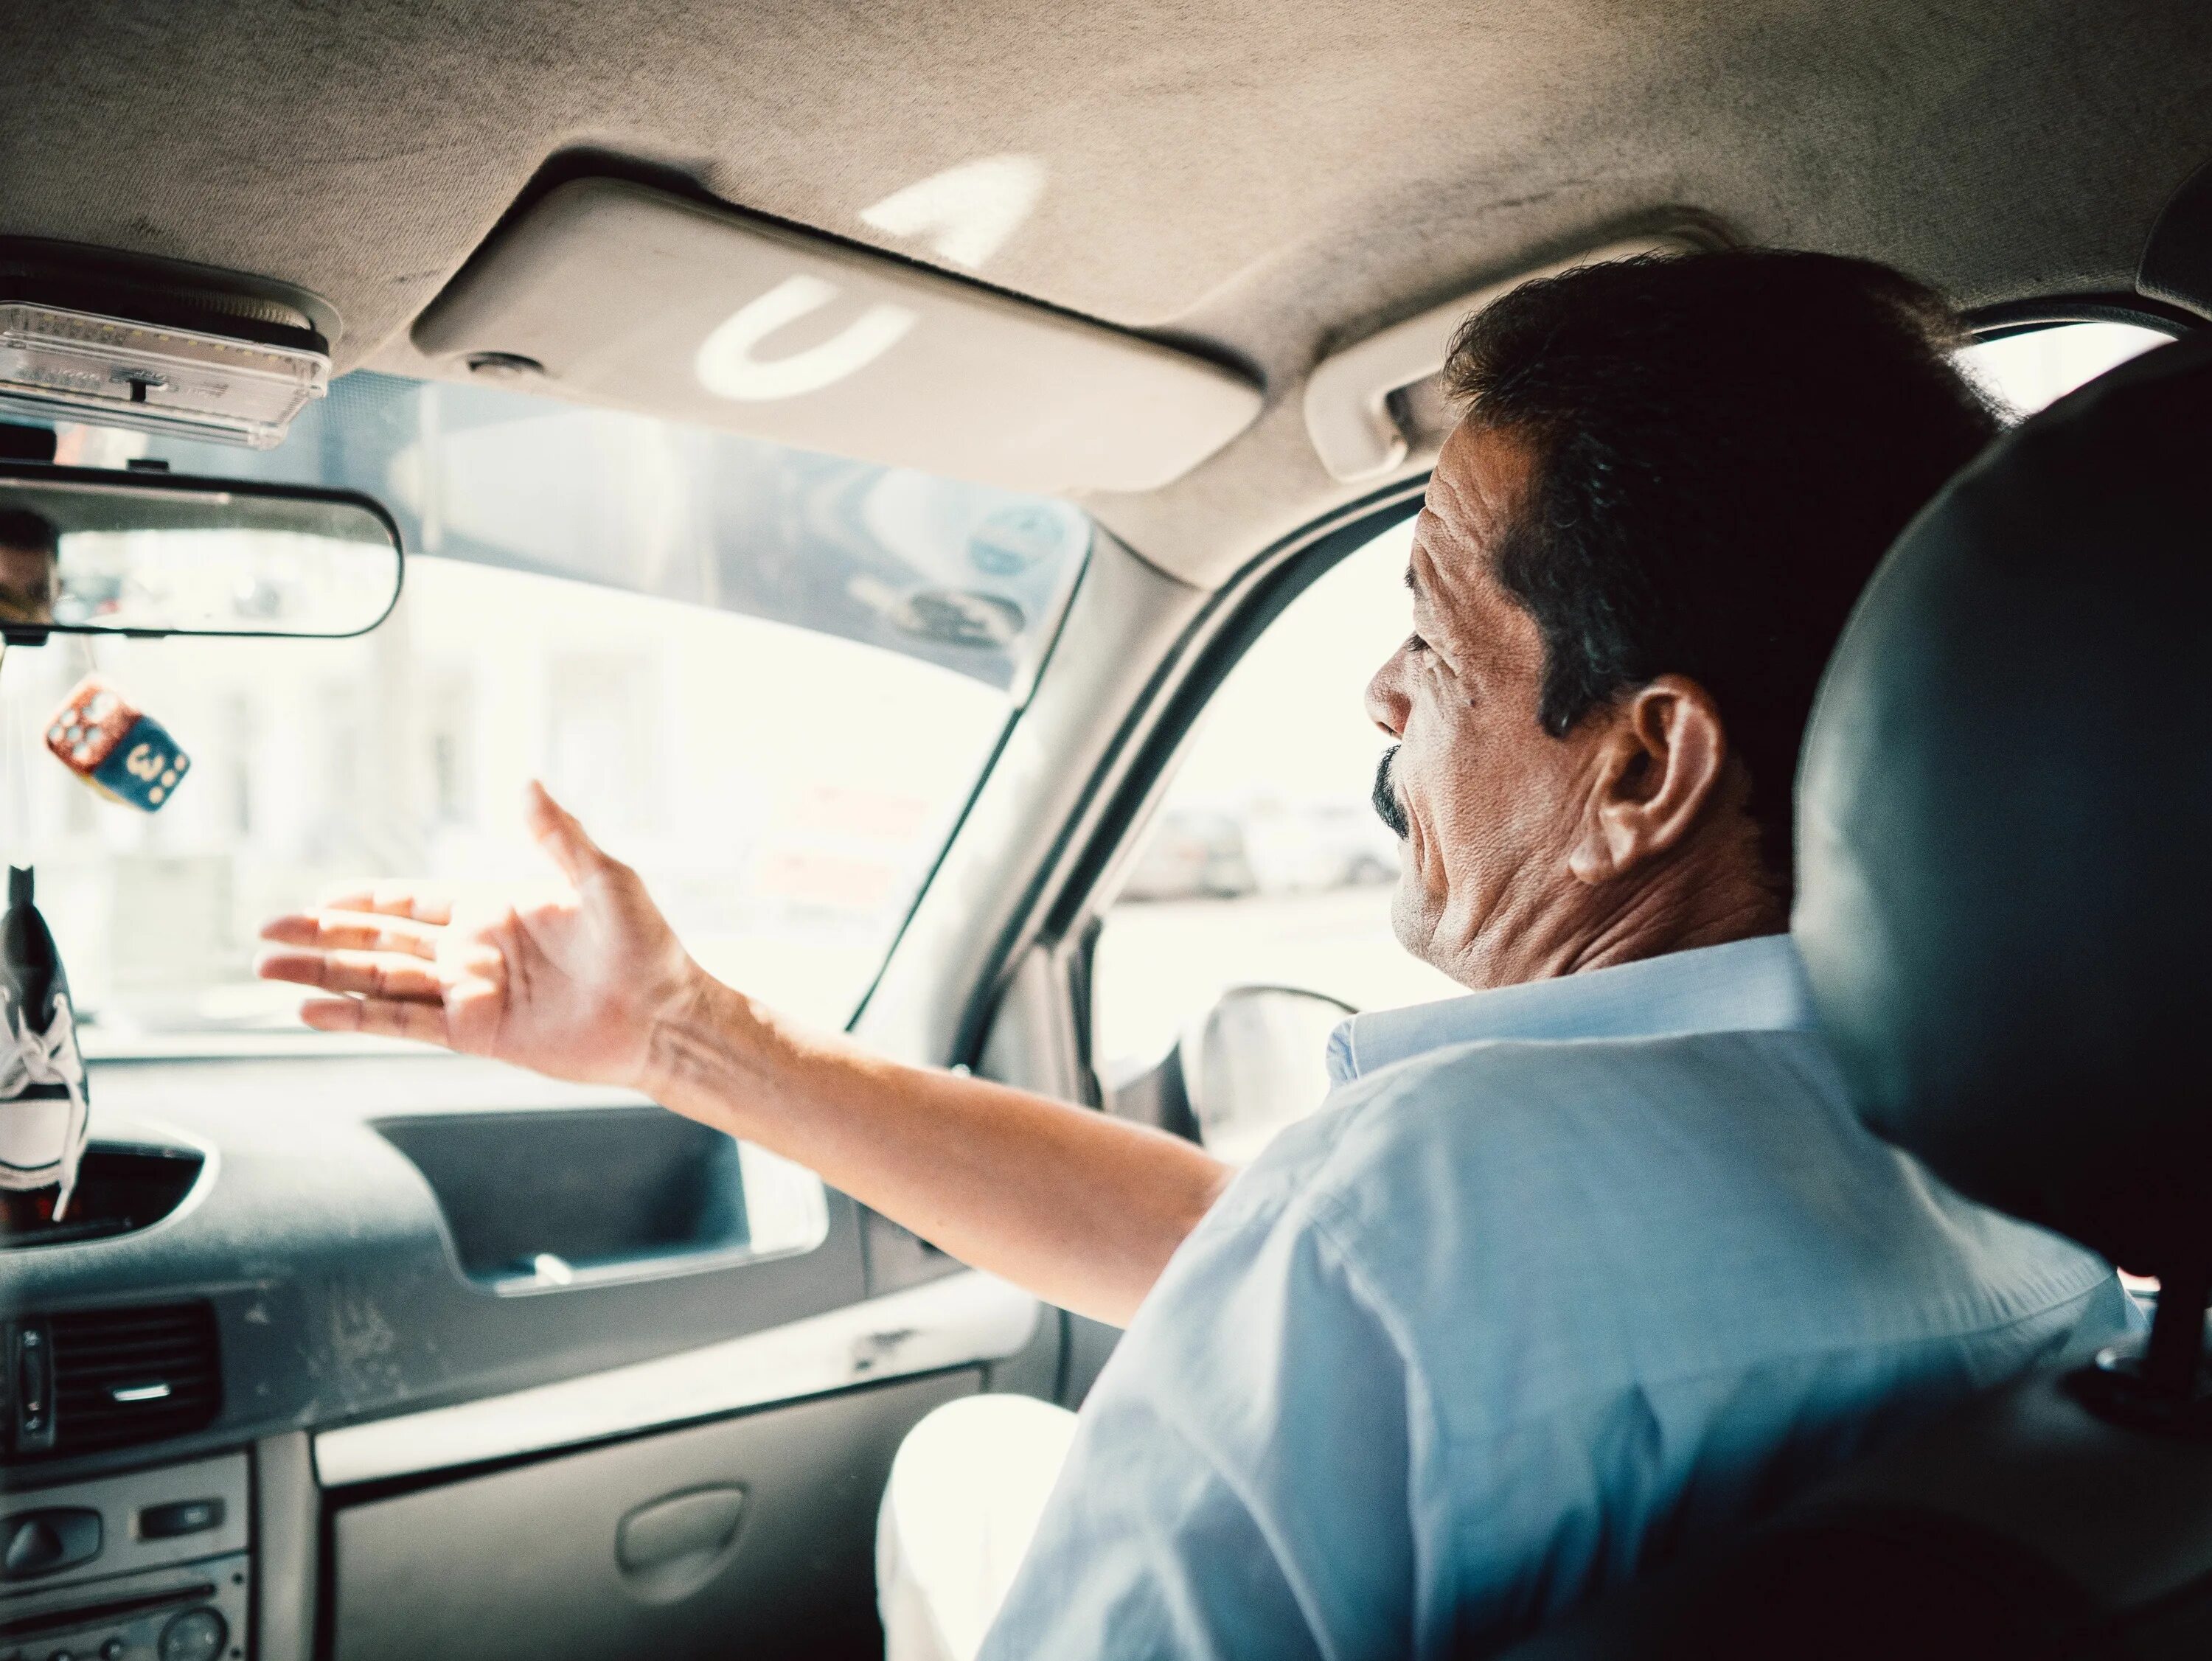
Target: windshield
(769,679)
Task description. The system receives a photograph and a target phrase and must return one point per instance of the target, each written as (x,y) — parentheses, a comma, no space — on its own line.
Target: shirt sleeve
(1239,1484)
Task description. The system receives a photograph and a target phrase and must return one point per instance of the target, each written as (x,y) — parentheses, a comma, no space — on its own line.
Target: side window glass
(2038,367)
(1265,864)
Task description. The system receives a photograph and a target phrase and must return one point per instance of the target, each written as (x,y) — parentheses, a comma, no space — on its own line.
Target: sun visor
(621,294)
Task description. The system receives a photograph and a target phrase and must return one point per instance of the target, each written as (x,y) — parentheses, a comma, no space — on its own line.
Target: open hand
(573,986)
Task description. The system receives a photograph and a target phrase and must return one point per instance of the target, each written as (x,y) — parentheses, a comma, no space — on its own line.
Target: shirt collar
(1746,986)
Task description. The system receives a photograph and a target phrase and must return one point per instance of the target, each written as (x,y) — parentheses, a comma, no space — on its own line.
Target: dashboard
(331,1338)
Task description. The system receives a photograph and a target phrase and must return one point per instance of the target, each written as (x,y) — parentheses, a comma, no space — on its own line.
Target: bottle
(45,1104)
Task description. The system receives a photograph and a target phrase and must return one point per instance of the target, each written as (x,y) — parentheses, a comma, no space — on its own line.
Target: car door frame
(991,971)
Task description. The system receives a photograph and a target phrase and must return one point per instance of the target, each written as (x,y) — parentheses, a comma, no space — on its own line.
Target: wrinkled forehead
(1481,478)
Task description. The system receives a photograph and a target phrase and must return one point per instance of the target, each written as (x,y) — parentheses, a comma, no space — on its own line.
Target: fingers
(376,974)
(383,1017)
(561,834)
(415,901)
(354,930)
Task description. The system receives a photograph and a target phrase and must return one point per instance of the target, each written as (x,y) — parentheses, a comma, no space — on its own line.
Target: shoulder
(1534,1218)
(1431,1135)
(1479,1184)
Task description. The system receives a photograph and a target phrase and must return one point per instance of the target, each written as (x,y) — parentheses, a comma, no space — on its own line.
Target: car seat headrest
(2005,817)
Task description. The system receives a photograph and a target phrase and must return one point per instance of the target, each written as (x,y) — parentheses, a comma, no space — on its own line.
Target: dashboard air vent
(126,1376)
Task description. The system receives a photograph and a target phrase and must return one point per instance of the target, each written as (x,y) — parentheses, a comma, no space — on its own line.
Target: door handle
(669,1547)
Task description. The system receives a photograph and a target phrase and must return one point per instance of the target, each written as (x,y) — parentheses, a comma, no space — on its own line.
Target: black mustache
(1388,808)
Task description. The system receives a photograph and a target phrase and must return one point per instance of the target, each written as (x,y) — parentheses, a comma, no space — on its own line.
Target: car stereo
(154,1565)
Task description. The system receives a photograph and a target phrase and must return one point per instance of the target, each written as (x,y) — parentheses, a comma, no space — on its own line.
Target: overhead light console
(153,348)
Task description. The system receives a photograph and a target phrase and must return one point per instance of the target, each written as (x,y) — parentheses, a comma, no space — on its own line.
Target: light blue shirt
(1562,1278)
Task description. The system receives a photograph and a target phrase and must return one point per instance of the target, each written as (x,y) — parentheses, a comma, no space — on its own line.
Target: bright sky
(1291,721)
(2028,371)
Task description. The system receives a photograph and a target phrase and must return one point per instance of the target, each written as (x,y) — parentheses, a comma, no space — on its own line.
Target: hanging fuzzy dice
(120,752)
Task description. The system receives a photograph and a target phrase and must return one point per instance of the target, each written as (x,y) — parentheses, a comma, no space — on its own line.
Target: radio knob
(196,1635)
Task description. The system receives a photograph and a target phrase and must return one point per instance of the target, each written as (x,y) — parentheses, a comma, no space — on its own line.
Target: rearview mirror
(93,551)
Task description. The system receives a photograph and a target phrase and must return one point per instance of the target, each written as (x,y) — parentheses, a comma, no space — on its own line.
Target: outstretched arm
(591,985)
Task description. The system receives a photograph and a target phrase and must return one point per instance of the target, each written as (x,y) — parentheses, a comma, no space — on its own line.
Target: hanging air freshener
(44,1111)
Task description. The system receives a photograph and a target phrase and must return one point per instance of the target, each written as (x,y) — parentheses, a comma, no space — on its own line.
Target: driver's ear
(1661,754)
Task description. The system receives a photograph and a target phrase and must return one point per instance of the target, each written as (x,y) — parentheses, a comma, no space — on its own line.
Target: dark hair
(1725,445)
(20,528)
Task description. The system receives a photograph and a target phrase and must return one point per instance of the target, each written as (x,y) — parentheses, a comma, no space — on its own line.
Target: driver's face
(1485,799)
(29,584)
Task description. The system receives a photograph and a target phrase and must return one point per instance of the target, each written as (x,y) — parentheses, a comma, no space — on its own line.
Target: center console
(155,1565)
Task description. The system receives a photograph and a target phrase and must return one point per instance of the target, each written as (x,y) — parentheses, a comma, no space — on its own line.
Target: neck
(1708,893)
(1666,918)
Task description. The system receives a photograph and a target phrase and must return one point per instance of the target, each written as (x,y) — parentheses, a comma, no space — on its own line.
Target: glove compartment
(747,1536)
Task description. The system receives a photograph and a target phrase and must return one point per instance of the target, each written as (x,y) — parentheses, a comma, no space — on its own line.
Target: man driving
(1568,1274)
(30,567)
